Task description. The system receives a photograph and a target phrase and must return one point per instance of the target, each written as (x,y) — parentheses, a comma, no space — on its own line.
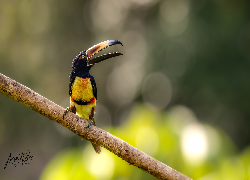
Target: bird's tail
(97,148)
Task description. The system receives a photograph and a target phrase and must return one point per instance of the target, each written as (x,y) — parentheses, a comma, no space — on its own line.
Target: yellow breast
(82,89)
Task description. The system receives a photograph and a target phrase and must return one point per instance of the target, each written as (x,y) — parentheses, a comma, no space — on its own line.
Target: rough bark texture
(38,103)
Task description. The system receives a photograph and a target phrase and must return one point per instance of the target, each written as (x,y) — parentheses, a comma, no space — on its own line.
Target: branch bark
(49,109)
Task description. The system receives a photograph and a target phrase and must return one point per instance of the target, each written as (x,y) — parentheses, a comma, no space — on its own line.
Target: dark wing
(72,74)
(92,80)
(72,79)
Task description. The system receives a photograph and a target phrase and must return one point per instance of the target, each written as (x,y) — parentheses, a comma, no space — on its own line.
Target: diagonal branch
(38,103)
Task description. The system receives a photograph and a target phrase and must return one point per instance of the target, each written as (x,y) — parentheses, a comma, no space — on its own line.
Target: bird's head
(85,59)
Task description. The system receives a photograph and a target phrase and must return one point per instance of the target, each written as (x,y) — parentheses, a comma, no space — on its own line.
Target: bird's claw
(66,111)
(89,126)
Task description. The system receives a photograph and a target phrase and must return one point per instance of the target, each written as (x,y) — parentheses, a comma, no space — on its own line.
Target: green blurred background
(180,92)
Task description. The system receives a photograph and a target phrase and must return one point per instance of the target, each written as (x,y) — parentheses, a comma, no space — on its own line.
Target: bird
(82,86)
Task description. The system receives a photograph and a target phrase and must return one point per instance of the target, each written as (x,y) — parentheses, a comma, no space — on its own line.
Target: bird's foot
(66,111)
(89,126)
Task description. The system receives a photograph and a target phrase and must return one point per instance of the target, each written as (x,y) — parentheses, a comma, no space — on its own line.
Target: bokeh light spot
(179,117)
(122,85)
(194,144)
(100,165)
(107,15)
(173,16)
(174,11)
(157,90)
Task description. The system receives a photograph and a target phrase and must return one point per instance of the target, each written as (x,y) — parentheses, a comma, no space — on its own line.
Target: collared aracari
(82,86)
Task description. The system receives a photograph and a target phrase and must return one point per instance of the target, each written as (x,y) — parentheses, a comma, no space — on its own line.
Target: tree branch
(38,103)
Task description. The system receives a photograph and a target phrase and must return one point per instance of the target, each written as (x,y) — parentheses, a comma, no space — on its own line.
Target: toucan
(82,86)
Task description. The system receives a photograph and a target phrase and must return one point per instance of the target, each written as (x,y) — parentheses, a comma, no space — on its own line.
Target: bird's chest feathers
(82,89)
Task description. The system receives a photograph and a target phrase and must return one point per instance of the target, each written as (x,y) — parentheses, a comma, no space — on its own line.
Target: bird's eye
(83,56)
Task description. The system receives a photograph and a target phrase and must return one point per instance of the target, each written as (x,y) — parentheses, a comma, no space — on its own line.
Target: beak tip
(113,42)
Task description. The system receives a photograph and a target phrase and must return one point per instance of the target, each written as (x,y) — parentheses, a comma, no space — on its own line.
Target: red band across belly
(92,101)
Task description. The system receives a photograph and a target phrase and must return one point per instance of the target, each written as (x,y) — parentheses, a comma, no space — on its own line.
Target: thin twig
(38,103)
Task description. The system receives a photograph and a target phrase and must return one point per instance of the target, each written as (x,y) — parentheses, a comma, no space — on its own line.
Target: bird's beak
(99,47)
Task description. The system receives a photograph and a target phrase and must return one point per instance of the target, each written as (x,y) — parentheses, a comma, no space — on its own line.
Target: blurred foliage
(176,52)
(158,135)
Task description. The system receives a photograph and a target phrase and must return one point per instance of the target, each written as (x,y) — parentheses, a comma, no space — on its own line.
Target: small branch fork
(38,103)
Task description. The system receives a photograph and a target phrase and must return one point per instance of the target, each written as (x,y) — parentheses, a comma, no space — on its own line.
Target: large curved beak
(99,47)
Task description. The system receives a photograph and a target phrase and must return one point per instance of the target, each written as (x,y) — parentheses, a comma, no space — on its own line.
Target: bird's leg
(89,125)
(91,120)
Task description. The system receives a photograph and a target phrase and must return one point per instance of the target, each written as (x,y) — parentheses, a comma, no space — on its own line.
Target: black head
(80,65)
(84,60)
